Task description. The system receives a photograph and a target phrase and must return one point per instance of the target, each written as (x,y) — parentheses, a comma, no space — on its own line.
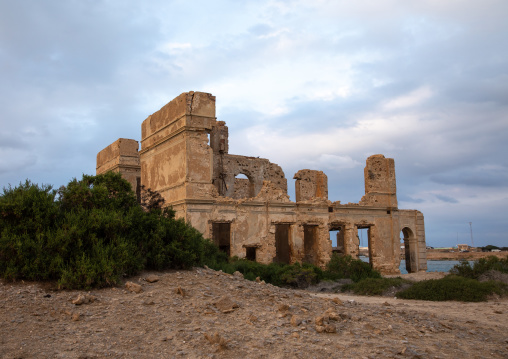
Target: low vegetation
(376,286)
(480,266)
(453,287)
(461,285)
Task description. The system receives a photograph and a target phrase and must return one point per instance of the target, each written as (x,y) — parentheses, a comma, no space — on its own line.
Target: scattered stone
(283,307)
(180,291)
(217,339)
(331,314)
(238,275)
(337,301)
(133,287)
(295,321)
(330,328)
(320,328)
(295,335)
(152,278)
(226,305)
(83,299)
(319,321)
(75,317)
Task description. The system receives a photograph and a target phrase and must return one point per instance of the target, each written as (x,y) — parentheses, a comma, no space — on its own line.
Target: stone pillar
(121,156)
(380,186)
(310,185)
(351,242)
(176,159)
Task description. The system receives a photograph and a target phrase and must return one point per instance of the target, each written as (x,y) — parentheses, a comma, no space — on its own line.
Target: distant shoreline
(441,255)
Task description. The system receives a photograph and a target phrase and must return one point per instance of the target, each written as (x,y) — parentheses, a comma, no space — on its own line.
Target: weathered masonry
(241,202)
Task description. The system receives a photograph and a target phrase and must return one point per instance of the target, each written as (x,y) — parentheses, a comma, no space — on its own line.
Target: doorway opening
(221,236)
(406,237)
(282,247)
(310,244)
(364,250)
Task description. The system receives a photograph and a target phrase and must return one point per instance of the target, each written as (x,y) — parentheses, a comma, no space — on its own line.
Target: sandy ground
(207,314)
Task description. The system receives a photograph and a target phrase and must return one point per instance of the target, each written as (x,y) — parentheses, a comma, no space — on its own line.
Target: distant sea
(432,266)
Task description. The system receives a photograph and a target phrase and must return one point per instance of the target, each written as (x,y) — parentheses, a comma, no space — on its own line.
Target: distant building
(463,247)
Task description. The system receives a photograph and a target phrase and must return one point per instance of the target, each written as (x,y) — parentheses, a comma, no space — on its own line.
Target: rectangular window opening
(250,253)
(282,247)
(221,236)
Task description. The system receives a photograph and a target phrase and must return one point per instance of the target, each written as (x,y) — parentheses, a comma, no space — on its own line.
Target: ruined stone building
(184,156)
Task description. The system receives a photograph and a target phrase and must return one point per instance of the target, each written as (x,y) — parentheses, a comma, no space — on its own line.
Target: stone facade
(185,157)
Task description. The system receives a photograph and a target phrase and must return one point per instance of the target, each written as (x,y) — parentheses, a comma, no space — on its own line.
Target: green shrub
(453,287)
(93,232)
(480,266)
(293,275)
(341,267)
(374,286)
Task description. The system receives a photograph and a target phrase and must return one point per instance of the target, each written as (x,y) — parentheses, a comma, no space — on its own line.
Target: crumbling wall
(185,157)
(257,171)
(412,226)
(380,185)
(175,157)
(121,156)
(310,185)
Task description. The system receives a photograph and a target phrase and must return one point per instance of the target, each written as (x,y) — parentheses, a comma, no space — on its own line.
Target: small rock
(216,339)
(180,291)
(319,321)
(152,278)
(238,275)
(330,328)
(83,299)
(295,321)
(320,328)
(225,305)
(295,335)
(75,317)
(337,301)
(283,307)
(79,300)
(133,287)
(331,314)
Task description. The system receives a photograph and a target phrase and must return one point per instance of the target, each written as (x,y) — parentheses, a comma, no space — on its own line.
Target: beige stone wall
(121,156)
(310,185)
(176,159)
(380,185)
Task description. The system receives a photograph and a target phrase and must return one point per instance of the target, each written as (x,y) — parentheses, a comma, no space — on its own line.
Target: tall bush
(341,267)
(91,233)
(480,266)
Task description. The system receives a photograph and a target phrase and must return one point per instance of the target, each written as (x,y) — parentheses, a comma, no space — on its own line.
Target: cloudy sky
(308,84)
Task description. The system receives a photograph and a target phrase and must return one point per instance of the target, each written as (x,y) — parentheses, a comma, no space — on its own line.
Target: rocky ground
(207,314)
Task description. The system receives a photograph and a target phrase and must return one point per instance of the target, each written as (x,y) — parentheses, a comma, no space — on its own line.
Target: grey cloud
(447,199)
